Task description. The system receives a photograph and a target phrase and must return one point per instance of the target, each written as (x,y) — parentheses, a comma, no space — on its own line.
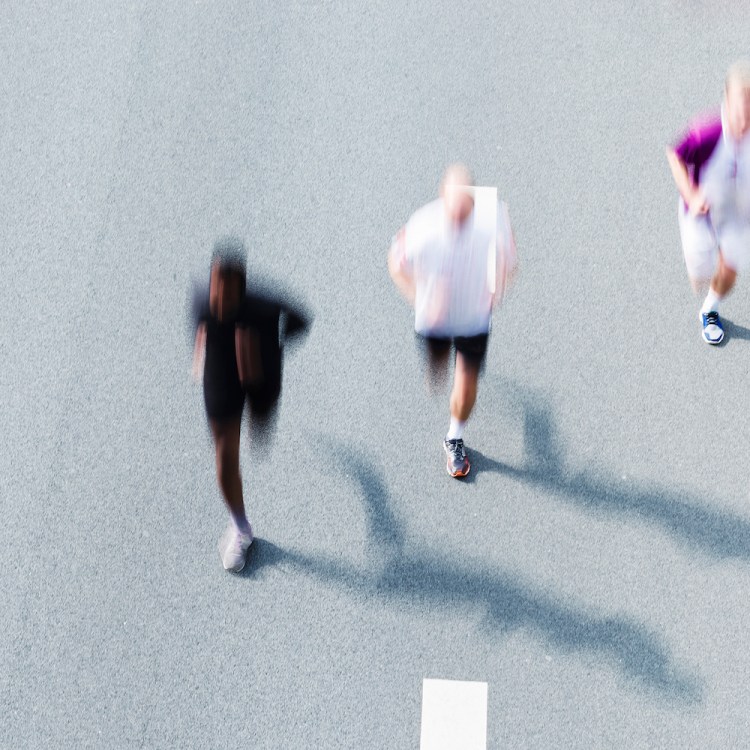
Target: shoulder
(199,301)
(425,222)
(259,301)
(707,126)
(702,134)
(260,304)
(427,213)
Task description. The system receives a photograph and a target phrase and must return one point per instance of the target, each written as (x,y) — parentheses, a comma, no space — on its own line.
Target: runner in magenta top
(711,167)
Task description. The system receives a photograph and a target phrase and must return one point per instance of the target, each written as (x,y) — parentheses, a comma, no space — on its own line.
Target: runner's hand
(199,354)
(698,204)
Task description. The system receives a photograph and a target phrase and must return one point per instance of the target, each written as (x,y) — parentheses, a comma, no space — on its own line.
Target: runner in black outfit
(239,335)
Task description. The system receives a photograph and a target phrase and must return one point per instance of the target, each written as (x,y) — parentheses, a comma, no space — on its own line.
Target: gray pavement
(594,570)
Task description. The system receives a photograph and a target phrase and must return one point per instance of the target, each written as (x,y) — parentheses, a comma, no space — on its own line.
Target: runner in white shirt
(452,260)
(711,167)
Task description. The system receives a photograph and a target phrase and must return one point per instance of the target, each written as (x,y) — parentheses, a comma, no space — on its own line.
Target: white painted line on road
(454,715)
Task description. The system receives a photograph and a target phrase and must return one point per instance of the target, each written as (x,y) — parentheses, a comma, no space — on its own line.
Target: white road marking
(454,715)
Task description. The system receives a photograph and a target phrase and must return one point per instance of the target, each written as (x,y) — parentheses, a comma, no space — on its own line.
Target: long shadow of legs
(721,534)
(543,450)
(508,604)
(422,578)
(383,527)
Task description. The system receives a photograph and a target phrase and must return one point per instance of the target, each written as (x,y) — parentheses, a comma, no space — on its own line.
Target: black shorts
(224,395)
(472,348)
(226,401)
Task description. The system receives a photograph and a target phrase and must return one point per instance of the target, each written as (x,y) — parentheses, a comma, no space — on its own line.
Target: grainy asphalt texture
(594,570)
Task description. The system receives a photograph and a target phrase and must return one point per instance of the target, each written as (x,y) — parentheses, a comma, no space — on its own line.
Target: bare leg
(721,284)
(226,436)
(724,278)
(465,384)
(463,396)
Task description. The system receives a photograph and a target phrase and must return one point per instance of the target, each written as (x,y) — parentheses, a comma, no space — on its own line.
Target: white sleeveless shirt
(458,270)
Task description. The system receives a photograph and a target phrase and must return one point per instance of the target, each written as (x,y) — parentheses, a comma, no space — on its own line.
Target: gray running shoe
(458,463)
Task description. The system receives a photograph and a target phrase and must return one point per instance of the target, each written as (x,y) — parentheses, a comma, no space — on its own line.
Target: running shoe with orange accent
(458,463)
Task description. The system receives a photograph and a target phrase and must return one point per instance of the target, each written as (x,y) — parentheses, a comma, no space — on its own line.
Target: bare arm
(512,269)
(691,193)
(199,353)
(506,260)
(402,279)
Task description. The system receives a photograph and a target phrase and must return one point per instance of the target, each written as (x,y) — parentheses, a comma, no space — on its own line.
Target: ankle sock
(711,303)
(456,429)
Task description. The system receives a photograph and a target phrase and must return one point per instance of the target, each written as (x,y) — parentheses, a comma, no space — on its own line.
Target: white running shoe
(233,547)
(713,331)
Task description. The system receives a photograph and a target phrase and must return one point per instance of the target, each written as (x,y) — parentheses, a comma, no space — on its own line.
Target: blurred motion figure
(452,261)
(711,168)
(239,336)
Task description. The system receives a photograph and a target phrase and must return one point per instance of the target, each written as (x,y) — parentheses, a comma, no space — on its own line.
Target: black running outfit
(273,322)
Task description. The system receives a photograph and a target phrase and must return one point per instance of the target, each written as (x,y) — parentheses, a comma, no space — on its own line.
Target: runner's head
(228,277)
(457,192)
(737,99)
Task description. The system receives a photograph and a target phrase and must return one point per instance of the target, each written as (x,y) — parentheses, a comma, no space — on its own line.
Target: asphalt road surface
(594,569)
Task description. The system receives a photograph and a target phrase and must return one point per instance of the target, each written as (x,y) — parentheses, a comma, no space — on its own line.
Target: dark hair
(231,257)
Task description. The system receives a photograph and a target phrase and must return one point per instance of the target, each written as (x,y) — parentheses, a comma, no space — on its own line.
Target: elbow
(394,269)
(672,157)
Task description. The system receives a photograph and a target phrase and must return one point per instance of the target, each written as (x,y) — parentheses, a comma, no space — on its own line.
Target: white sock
(241,524)
(456,429)
(711,303)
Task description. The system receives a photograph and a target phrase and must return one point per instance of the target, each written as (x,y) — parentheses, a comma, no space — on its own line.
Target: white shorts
(700,244)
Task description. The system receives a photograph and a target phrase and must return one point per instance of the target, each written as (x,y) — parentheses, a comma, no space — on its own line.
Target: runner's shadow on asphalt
(417,577)
(542,448)
(261,556)
(734,331)
(686,519)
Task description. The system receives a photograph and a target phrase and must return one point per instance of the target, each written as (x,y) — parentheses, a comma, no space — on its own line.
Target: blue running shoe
(713,333)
